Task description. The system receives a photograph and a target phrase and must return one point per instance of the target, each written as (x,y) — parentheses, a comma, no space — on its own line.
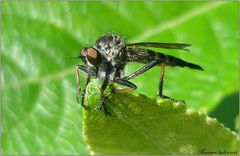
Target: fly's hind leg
(160,87)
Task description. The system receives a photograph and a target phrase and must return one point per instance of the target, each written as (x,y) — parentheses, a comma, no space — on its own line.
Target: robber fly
(107,59)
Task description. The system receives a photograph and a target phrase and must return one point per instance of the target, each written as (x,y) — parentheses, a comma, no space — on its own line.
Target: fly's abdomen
(174,61)
(145,56)
(140,55)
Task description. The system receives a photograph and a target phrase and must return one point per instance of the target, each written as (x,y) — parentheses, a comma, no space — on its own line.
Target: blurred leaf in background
(39,110)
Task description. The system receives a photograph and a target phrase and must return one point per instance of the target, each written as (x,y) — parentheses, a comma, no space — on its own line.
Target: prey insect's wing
(180,46)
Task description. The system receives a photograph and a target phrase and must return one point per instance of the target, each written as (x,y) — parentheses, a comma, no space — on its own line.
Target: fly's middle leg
(122,82)
(103,88)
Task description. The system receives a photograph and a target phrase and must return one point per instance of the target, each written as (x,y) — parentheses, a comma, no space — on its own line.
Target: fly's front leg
(85,69)
(78,83)
(122,82)
(84,92)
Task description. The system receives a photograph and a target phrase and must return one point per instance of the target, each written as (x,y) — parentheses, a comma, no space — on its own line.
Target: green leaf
(143,125)
(39,110)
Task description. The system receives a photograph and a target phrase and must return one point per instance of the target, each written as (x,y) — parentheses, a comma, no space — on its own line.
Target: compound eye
(93,56)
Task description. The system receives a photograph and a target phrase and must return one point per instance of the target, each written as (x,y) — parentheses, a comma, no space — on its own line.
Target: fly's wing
(145,56)
(180,46)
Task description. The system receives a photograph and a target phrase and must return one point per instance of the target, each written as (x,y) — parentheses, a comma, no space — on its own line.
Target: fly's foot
(85,106)
(174,100)
(102,105)
(103,108)
(182,101)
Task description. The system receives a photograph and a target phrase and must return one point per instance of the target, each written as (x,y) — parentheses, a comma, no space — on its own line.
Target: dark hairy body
(107,59)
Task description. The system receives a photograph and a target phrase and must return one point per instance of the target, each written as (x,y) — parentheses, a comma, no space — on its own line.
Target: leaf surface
(141,125)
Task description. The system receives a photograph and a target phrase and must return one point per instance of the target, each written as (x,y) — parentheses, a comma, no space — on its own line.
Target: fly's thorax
(104,69)
(101,74)
(112,74)
(107,70)
(115,73)
(112,47)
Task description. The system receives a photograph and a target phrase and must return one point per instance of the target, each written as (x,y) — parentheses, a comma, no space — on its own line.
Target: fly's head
(94,61)
(91,57)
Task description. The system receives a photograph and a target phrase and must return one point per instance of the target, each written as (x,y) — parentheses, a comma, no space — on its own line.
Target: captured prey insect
(107,59)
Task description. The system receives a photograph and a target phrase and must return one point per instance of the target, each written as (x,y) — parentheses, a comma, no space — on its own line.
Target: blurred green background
(40,114)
